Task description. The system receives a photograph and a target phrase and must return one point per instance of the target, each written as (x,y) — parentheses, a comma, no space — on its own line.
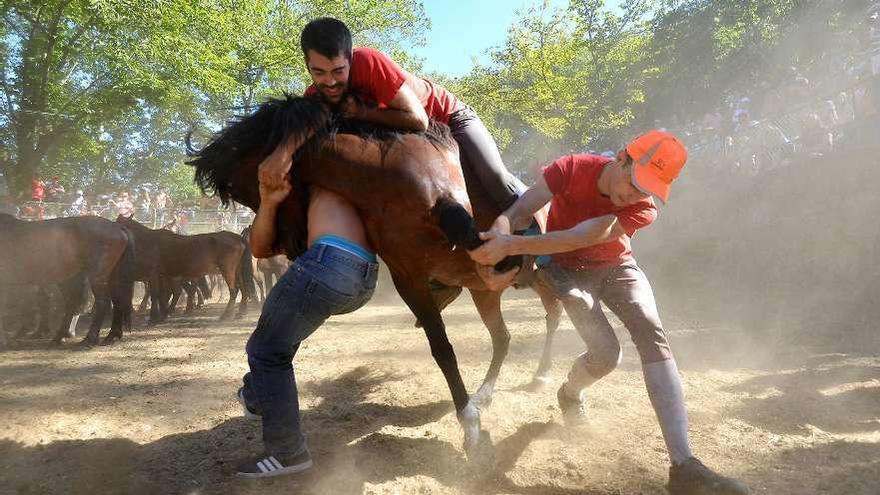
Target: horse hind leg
(175,297)
(102,304)
(488,305)
(232,284)
(553,307)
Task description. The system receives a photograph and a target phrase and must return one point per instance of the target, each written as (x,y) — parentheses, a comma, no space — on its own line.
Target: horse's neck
(350,166)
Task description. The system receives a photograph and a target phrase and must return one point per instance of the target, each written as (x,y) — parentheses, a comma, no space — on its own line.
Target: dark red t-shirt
(377,78)
(573,180)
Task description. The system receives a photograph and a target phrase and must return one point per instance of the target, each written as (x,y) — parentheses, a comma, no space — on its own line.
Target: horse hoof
(469,419)
(86,344)
(481,456)
(110,341)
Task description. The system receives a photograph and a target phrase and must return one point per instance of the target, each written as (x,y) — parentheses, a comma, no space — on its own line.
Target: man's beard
(335,105)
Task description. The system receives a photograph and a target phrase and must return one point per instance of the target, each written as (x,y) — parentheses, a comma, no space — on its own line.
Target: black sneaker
(249,413)
(275,465)
(692,477)
(574,411)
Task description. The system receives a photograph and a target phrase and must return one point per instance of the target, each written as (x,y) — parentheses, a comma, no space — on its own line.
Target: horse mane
(258,134)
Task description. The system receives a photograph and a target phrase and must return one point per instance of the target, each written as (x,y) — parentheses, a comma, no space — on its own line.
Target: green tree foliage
(102,91)
(588,76)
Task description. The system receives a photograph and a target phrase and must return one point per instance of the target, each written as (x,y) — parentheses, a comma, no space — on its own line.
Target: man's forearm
(585,234)
(263,231)
(394,118)
(520,213)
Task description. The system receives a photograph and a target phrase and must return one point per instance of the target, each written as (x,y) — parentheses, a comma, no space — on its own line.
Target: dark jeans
(480,158)
(324,281)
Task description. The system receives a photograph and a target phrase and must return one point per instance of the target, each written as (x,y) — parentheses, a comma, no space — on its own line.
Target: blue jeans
(324,281)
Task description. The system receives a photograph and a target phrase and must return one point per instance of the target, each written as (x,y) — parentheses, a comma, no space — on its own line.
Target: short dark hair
(328,36)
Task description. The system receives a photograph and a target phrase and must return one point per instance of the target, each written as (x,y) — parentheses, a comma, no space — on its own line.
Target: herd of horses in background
(58,266)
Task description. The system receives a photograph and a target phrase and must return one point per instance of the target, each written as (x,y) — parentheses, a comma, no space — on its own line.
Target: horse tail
(122,285)
(461,230)
(245,274)
(457,224)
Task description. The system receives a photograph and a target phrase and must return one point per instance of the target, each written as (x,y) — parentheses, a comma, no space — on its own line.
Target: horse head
(227,166)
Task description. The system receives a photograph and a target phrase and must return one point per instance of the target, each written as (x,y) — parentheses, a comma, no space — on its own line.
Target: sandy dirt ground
(796,413)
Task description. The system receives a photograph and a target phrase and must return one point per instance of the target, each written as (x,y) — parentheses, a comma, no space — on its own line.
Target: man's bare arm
(520,213)
(275,167)
(405,111)
(263,228)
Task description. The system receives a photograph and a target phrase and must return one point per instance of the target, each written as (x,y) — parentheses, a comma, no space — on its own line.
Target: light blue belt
(346,245)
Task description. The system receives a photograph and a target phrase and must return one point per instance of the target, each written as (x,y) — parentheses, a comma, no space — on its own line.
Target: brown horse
(165,259)
(69,252)
(272,268)
(413,198)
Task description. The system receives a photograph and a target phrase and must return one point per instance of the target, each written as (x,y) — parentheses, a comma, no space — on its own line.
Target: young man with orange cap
(596,206)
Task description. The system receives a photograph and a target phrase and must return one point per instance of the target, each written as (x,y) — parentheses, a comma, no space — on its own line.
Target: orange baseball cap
(658,157)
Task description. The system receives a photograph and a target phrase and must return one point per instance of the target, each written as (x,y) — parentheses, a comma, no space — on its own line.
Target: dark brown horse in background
(272,268)
(411,193)
(166,259)
(71,252)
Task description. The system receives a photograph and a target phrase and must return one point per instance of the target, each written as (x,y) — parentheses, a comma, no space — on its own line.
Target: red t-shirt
(573,180)
(38,191)
(378,78)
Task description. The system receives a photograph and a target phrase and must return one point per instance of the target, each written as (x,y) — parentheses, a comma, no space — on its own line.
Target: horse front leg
(489,306)
(553,308)
(417,296)
(190,289)
(71,299)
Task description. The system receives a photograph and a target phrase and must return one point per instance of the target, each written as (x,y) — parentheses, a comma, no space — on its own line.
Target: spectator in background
(79,206)
(815,137)
(38,194)
(829,114)
(123,205)
(183,222)
(845,108)
(742,120)
(38,189)
(161,203)
(144,205)
(712,125)
(55,191)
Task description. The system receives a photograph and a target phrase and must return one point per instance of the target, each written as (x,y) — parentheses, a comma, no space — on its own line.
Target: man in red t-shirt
(38,194)
(596,206)
(391,96)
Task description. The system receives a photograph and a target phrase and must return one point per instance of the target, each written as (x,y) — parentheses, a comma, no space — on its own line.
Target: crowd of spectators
(806,109)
